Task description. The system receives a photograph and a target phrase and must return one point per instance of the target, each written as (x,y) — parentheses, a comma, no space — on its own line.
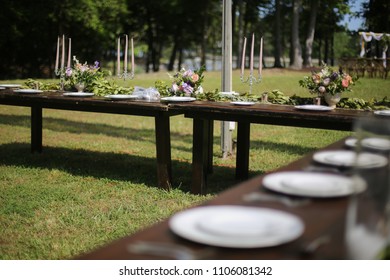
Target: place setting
(243,103)
(177,99)
(28,91)
(382,113)
(313,107)
(373,143)
(313,184)
(350,159)
(9,86)
(234,226)
(78,94)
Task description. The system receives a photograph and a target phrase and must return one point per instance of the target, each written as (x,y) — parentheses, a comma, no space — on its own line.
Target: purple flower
(68,72)
(334,76)
(96,65)
(187,88)
(188,73)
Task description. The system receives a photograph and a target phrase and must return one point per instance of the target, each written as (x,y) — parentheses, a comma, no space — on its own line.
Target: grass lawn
(96,178)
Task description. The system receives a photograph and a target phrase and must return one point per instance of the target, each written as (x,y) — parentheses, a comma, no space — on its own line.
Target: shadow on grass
(63,125)
(111,166)
(144,134)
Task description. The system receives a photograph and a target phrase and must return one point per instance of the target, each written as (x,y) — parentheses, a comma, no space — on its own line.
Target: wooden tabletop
(287,115)
(321,217)
(56,100)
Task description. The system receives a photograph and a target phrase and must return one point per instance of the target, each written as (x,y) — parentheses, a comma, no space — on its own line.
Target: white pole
(226,135)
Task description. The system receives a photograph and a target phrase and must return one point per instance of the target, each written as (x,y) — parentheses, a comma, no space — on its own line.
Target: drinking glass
(368,214)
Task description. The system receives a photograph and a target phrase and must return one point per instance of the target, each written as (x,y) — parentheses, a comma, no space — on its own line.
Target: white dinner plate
(10,85)
(313,107)
(229,93)
(382,112)
(374,143)
(178,99)
(236,226)
(121,96)
(78,94)
(313,184)
(242,103)
(28,90)
(343,158)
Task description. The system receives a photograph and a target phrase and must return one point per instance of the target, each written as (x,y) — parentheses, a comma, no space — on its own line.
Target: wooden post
(226,135)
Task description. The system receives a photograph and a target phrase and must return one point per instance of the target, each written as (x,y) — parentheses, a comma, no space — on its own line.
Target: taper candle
(126,48)
(243,58)
(63,52)
(69,52)
(57,53)
(132,55)
(252,52)
(261,56)
(118,60)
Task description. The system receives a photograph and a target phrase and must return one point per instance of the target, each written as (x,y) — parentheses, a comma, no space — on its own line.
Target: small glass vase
(332,99)
(80,87)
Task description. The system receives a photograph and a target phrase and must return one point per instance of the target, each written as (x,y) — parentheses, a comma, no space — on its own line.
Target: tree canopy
(166,32)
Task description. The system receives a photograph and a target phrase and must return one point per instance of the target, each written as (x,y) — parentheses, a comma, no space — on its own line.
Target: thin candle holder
(126,75)
(251,80)
(61,73)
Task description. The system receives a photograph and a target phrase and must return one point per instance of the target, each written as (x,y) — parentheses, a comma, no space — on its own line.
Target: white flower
(175,87)
(199,90)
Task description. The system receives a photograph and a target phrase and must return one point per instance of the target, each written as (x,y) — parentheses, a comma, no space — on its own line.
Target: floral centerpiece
(82,76)
(328,83)
(187,82)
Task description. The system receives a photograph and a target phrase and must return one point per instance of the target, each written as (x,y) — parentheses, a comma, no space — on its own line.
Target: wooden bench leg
(163,151)
(36,129)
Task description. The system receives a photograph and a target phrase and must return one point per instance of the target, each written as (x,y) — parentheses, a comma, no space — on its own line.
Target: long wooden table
(205,113)
(56,100)
(322,217)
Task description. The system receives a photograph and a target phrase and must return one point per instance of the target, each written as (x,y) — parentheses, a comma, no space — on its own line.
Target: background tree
(296,49)
(168,32)
(313,8)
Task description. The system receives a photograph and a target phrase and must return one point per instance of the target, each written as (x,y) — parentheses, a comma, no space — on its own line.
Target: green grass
(96,178)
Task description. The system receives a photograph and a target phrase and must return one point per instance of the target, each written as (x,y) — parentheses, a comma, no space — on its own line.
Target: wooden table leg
(210,143)
(36,129)
(200,155)
(163,151)
(243,142)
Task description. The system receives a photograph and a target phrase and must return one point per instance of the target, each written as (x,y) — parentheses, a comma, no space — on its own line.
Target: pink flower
(321,89)
(345,83)
(195,77)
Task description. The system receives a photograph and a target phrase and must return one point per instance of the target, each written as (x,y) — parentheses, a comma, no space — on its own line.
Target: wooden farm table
(55,100)
(322,217)
(204,113)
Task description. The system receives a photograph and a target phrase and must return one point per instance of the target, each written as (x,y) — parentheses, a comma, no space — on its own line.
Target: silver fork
(313,245)
(290,202)
(174,251)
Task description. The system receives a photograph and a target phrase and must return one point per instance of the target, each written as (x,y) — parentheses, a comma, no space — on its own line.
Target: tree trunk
(326,50)
(296,51)
(172,58)
(278,39)
(307,61)
(180,61)
(319,51)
